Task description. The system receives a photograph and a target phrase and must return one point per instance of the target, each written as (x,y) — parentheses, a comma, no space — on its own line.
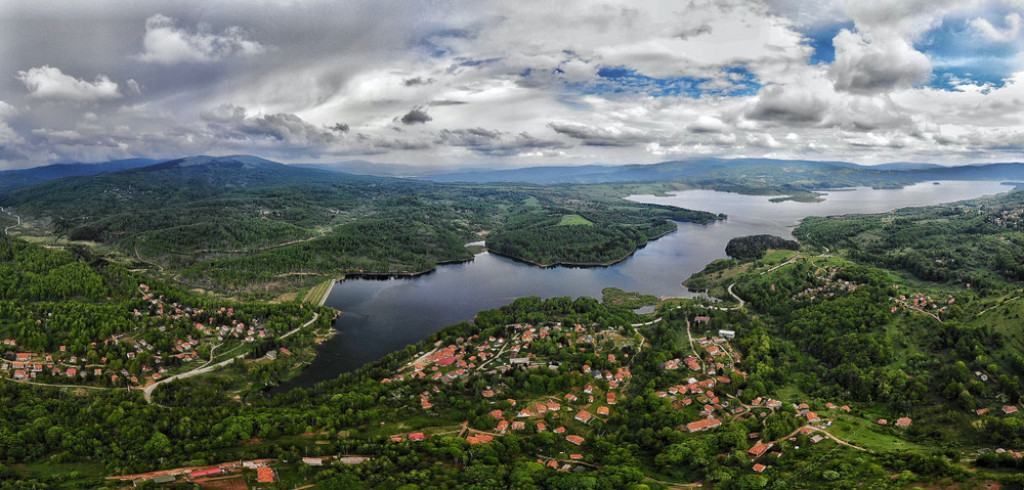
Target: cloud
(234,123)
(1013,22)
(416,116)
(166,44)
(876,64)
(410,82)
(497,143)
(706,124)
(46,82)
(602,136)
(789,104)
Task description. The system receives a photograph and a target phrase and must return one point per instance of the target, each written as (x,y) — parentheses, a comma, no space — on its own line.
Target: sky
(504,84)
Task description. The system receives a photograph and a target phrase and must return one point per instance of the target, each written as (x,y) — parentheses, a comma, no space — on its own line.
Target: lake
(379,316)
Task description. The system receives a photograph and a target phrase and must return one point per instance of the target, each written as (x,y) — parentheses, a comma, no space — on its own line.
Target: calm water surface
(381,316)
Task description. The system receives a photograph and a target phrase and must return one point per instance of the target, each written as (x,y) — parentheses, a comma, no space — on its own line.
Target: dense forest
(754,246)
(239,225)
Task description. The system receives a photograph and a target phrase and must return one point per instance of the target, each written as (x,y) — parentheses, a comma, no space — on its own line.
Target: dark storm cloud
(416,116)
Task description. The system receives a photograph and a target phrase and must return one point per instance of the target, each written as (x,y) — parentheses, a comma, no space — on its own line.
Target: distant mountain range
(794,174)
(712,172)
(13,179)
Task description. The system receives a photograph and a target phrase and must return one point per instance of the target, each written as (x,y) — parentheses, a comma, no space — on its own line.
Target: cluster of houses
(828,286)
(139,359)
(922,302)
(592,398)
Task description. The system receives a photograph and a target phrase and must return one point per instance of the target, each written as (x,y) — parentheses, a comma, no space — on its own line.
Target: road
(7,229)
(304,325)
(736,297)
(148,391)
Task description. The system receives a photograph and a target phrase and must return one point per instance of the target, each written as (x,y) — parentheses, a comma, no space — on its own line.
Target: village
(179,337)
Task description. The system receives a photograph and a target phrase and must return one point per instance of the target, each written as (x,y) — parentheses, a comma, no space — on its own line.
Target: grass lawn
(867,434)
(316,293)
(575,219)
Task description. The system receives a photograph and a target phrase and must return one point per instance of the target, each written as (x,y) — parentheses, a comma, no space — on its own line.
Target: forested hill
(242,223)
(13,179)
(745,172)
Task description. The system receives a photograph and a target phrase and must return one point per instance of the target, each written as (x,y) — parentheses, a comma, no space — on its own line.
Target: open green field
(575,219)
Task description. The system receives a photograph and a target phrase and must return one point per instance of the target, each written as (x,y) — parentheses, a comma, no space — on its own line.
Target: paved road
(304,325)
(7,229)
(148,392)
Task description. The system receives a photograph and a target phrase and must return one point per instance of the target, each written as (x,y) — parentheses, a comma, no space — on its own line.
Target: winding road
(7,229)
(147,393)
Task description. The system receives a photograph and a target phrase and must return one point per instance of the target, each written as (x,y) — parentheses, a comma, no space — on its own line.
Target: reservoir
(379,316)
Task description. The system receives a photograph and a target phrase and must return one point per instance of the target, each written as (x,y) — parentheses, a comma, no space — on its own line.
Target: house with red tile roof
(759,468)
(265,474)
(518,425)
(1008,409)
(559,430)
(496,414)
(903,422)
(603,411)
(541,427)
(584,416)
(577,440)
(502,426)
(610,398)
(759,449)
(702,425)
(417,436)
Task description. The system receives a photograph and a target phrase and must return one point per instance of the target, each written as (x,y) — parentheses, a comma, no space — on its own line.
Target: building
(702,425)
(727,334)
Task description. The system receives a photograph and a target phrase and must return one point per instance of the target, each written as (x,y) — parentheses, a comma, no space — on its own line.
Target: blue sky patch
(736,81)
(959,53)
(820,38)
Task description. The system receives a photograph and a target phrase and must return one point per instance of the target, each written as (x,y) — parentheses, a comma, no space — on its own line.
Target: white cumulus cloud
(167,44)
(47,82)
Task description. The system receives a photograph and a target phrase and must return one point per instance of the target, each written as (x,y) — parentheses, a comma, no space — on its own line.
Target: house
(496,414)
(313,461)
(812,417)
(883,422)
(610,398)
(903,422)
(417,436)
(559,430)
(576,456)
(577,440)
(584,416)
(759,449)
(554,406)
(524,413)
(570,397)
(603,411)
(519,425)
(1008,409)
(265,474)
(760,468)
(502,426)
(541,427)
(702,425)
(817,438)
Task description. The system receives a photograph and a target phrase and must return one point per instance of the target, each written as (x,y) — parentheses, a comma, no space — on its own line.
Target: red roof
(417,436)
(760,467)
(703,425)
(448,361)
(577,440)
(264,475)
